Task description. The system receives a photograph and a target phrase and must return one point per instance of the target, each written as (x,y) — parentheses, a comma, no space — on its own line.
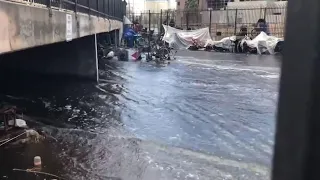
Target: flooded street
(205,116)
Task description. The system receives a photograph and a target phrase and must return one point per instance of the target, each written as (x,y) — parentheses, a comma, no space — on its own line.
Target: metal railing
(222,23)
(112,9)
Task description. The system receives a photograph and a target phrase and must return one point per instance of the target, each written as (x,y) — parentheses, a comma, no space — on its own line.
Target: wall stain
(26,28)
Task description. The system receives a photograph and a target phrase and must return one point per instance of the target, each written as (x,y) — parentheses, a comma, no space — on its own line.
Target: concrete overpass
(56,36)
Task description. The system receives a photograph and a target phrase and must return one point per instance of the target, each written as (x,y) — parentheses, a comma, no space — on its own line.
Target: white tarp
(263,43)
(126,20)
(183,39)
(225,43)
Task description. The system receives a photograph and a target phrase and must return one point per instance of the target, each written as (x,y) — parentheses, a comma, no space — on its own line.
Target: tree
(191,4)
(191,8)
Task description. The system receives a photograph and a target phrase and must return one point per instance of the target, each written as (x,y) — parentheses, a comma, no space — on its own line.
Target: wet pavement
(205,116)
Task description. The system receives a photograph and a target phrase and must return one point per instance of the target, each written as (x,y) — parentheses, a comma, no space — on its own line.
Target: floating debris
(11,139)
(16,131)
(38,172)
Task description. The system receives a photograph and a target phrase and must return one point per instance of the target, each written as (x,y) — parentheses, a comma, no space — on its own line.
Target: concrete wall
(25,26)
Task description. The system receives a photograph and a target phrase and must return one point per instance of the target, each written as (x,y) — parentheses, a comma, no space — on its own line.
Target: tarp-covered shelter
(183,39)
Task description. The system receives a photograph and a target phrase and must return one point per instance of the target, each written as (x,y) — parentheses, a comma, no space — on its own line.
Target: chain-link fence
(221,23)
(156,19)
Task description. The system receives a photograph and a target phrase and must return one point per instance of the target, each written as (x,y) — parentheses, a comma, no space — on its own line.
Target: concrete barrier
(24,26)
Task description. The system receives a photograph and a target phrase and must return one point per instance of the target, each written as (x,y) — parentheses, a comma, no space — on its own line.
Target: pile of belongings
(225,44)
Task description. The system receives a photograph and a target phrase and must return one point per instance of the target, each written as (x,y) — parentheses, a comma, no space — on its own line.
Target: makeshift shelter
(183,39)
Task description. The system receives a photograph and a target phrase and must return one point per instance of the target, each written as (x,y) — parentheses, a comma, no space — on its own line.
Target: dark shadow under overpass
(76,59)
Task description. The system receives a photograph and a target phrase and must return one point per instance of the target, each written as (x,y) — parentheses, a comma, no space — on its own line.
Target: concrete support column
(75,58)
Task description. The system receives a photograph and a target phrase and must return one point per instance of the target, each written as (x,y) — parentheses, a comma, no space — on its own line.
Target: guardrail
(111,9)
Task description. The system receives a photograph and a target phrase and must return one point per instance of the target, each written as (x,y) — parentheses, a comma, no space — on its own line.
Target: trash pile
(14,130)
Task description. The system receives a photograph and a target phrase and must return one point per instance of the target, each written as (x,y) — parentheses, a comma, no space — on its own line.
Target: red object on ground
(135,55)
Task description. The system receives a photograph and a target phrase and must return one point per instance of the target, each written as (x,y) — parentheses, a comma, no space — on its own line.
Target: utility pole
(129,3)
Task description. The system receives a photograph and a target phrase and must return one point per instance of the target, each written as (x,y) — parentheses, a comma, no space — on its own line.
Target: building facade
(156,5)
(217,4)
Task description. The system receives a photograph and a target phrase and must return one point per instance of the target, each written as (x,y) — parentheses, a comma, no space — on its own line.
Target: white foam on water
(68,107)
(191,176)
(214,64)
(102,96)
(201,84)
(253,167)
(270,76)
